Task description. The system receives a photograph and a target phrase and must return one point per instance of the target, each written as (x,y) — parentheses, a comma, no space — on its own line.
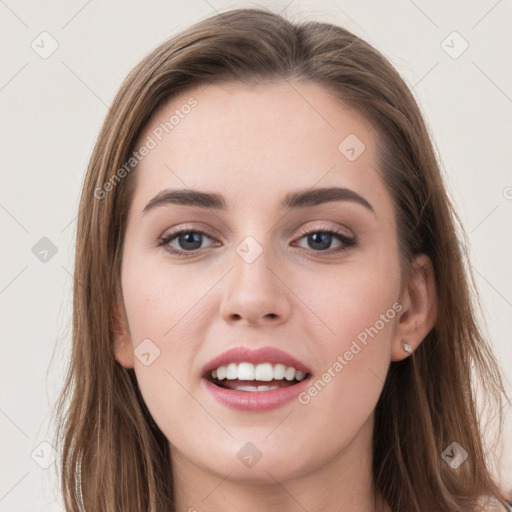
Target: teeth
(231,372)
(256,388)
(279,371)
(266,388)
(289,374)
(263,372)
(245,371)
(299,375)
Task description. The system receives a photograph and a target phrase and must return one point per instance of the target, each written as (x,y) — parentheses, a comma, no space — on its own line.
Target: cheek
(353,298)
(171,320)
(359,309)
(160,297)
(166,327)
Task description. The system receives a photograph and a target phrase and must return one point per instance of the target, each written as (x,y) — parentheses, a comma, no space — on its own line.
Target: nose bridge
(254,292)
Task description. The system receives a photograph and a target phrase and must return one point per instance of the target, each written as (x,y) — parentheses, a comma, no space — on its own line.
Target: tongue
(233,384)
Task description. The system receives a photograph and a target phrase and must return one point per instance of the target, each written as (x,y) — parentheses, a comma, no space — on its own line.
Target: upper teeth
(264,372)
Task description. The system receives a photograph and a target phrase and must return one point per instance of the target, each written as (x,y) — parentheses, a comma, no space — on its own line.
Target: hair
(105,432)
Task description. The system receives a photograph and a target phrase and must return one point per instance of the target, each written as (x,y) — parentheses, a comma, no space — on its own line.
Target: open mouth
(248,377)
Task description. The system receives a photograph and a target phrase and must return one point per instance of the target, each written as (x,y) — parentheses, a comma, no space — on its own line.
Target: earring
(407,348)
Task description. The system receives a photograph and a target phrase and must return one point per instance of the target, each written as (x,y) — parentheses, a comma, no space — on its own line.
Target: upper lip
(255,356)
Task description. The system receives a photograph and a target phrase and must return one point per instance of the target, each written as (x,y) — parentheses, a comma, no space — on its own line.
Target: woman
(271,306)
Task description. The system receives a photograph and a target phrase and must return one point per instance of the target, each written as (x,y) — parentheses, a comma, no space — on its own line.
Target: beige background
(52,108)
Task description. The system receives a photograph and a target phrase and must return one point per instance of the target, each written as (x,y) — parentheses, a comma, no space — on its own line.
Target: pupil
(190,238)
(320,240)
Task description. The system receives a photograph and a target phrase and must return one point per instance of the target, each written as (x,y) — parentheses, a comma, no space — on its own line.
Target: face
(312,284)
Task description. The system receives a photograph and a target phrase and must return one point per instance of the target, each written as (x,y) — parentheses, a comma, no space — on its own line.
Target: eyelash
(347,242)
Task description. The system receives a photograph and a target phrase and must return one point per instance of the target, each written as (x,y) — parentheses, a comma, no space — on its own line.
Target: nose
(255,292)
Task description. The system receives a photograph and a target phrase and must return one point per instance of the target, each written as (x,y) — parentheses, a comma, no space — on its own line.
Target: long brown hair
(106,434)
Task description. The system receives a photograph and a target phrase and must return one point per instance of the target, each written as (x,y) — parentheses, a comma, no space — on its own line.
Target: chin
(257,461)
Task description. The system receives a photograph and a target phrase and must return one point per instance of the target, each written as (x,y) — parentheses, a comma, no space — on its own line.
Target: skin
(254,144)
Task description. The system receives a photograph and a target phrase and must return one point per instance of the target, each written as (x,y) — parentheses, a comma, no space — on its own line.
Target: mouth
(248,377)
(255,380)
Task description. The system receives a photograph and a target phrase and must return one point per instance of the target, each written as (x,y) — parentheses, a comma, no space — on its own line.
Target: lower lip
(255,401)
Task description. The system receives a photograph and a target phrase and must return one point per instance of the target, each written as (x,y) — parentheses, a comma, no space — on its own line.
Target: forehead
(254,141)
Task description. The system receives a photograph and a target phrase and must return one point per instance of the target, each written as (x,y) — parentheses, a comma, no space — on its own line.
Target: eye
(188,241)
(322,239)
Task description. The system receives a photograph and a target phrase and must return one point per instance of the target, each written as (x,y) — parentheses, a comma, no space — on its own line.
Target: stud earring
(407,348)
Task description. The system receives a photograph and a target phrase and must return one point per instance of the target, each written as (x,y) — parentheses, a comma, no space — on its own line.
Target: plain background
(52,109)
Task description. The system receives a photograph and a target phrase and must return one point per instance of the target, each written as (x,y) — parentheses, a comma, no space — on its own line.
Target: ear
(419,307)
(123,349)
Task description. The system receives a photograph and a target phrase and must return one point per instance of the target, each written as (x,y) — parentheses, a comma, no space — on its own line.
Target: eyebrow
(297,199)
